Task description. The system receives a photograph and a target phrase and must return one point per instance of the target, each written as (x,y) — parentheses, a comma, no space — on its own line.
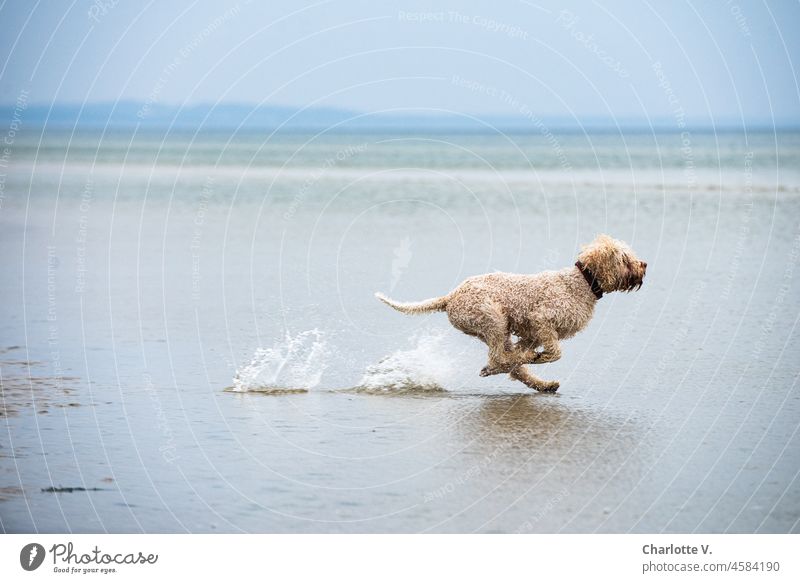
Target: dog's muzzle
(635,277)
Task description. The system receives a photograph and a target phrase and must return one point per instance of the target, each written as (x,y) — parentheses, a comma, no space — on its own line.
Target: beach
(189,334)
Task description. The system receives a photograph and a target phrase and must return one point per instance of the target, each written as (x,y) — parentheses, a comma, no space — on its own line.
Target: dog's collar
(590,279)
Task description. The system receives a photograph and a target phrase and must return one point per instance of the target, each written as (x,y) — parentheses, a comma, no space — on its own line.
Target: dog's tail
(431,305)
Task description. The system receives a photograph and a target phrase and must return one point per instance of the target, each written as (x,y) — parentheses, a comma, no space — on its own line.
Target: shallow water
(193,331)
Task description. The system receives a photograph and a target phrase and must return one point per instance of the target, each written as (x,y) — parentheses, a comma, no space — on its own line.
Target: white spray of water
(296,362)
(426,366)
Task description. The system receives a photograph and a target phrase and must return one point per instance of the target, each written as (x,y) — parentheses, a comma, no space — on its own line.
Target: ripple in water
(294,364)
(426,367)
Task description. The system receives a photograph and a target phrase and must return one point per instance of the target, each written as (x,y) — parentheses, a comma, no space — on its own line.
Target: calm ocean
(188,331)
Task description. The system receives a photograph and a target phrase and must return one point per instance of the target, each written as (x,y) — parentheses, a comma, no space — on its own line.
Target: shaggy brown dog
(540,310)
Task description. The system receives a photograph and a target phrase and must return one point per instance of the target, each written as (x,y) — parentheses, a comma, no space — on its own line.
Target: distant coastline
(127,115)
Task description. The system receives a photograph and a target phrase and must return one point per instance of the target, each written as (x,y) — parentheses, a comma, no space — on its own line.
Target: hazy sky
(726,60)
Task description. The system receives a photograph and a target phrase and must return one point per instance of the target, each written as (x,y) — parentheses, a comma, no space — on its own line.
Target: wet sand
(129,319)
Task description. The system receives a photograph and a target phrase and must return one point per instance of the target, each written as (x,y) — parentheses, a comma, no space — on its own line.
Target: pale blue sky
(722,60)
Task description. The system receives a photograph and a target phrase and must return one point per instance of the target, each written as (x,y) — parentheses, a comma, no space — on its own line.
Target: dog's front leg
(527,353)
(522,374)
(551,352)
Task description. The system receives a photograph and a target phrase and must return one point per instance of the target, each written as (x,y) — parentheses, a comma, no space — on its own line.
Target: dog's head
(614,264)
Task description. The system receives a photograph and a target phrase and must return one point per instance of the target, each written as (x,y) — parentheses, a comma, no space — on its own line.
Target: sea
(190,342)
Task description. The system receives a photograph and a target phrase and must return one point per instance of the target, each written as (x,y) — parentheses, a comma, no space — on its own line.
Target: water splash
(428,366)
(293,364)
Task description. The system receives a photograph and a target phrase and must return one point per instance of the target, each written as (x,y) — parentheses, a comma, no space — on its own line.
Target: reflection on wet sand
(408,390)
(542,418)
(549,454)
(276,391)
(23,388)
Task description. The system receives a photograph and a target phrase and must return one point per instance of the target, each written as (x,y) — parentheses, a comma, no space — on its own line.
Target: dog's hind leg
(484,318)
(525,350)
(501,354)
(522,374)
(490,324)
(551,353)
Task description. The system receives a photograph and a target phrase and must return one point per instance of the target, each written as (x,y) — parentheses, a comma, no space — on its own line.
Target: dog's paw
(550,387)
(488,371)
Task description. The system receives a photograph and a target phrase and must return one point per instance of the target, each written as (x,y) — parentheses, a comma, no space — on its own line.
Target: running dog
(539,310)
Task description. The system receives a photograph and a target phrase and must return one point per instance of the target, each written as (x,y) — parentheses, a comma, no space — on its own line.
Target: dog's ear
(601,241)
(600,250)
(602,258)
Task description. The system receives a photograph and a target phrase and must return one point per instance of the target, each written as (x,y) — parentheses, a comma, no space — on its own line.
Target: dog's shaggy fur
(540,310)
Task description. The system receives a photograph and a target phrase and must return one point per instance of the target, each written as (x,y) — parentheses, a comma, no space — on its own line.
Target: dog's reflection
(534,421)
(520,417)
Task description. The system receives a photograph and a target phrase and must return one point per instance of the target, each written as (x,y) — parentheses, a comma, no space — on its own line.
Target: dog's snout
(644,264)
